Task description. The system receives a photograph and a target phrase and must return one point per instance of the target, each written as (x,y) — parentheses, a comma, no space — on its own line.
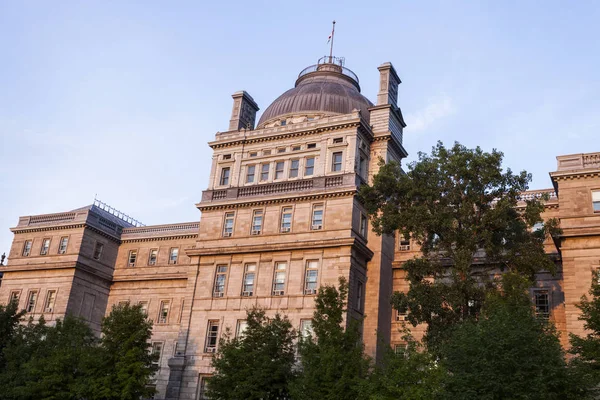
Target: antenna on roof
(331,40)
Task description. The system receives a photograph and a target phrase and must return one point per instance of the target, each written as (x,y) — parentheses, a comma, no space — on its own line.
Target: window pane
(279,170)
(225,176)
(310,166)
(264,172)
(294,165)
(250,174)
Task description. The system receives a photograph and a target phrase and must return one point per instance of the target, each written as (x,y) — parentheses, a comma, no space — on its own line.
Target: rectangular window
(400,317)
(27,248)
(311,276)
(249,276)
(31,300)
(152,256)
(596,201)
(250,171)
(224,176)
(317,217)
(220,280)
(132,258)
(309,166)
(144,307)
(163,311)
(45,247)
(266,152)
(157,348)
(286,219)
(306,328)
(359,295)
(62,247)
(212,336)
(50,299)
(336,162)
(257,221)
(226,156)
(404,243)
(363,225)
(173,255)
(542,303)
(279,170)
(294,166)
(338,140)
(296,148)
(264,172)
(253,154)
(228,224)
(242,325)
(362,167)
(14,296)
(98,250)
(311,146)
(202,388)
(281,150)
(279,279)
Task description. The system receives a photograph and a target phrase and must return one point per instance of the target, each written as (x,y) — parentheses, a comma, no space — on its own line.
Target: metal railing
(337,61)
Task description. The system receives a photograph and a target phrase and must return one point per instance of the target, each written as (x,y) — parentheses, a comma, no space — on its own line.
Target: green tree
(258,364)
(508,354)
(412,374)
(460,206)
(123,364)
(9,321)
(587,349)
(332,364)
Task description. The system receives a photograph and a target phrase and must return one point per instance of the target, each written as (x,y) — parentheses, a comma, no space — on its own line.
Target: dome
(321,90)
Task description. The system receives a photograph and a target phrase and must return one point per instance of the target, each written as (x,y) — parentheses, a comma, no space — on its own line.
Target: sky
(118,99)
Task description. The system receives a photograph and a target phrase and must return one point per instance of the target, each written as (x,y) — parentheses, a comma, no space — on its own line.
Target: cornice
(46,228)
(158,238)
(258,202)
(570,175)
(150,277)
(395,145)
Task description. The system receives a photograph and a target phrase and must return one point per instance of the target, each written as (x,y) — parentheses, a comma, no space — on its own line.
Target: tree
(508,354)
(9,321)
(123,364)
(461,209)
(332,364)
(256,365)
(412,374)
(587,349)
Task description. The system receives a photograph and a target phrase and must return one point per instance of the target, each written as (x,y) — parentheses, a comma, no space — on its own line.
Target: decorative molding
(46,228)
(158,238)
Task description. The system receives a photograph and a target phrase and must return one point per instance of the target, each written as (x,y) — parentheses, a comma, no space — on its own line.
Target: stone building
(280,217)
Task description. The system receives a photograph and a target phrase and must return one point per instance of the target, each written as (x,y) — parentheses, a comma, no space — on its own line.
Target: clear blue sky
(118,98)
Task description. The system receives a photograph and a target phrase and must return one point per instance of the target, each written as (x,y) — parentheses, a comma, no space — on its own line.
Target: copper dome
(322,89)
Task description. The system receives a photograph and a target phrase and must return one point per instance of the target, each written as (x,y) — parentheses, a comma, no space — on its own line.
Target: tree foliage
(257,365)
(332,364)
(460,207)
(9,321)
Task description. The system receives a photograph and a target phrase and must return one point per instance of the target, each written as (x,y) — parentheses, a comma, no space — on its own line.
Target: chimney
(388,85)
(244,111)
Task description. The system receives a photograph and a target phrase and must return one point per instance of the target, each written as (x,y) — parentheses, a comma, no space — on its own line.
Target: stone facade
(280,217)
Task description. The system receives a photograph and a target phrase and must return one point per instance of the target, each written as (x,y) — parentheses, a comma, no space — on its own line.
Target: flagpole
(331,48)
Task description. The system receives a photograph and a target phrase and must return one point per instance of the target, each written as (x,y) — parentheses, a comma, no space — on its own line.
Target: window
(310,277)
(279,279)
(45,247)
(283,122)
(27,248)
(242,325)
(50,299)
(202,388)
(362,166)
(144,307)
(264,172)
(294,166)
(596,201)
(226,156)
(336,162)
(257,221)
(286,219)
(248,283)
(212,334)
(250,171)
(157,348)
(281,150)
(309,167)
(224,176)
(317,217)
(163,311)
(153,256)
(363,225)
(266,152)
(14,296)
(306,328)
(400,349)
(62,246)
(296,148)
(400,316)
(253,154)
(132,258)
(404,243)
(359,295)
(542,303)
(228,224)
(311,146)
(31,300)
(173,255)
(338,140)
(98,250)
(220,280)
(279,170)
